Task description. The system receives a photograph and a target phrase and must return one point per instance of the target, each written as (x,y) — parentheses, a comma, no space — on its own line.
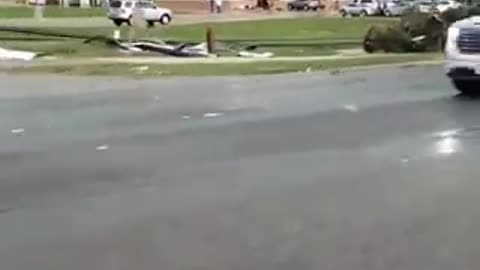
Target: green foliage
(416,32)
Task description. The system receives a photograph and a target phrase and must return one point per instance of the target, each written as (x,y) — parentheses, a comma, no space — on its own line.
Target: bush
(413,24)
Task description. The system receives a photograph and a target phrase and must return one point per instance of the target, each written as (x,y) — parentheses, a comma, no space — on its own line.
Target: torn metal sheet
(182,50)
(6,54)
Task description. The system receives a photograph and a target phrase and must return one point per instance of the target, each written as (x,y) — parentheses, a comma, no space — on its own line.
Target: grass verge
(77,48)
(274,30)
(208,69)
(51,12)
(284,37)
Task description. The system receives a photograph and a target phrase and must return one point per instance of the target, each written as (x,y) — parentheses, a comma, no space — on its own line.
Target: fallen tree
(415,32)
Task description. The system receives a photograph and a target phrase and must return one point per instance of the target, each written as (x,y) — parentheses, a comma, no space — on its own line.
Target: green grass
(68,48)
(311,28)
(262,67)
(76,48)
(305,29)
(284,37)
(51,12)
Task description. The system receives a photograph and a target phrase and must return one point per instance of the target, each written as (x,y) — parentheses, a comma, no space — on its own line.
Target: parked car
(394,8)
(360,8)
(304,5)
(443,6)
(121,11)
(423,6)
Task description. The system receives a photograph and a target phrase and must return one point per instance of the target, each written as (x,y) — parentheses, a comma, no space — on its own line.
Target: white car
(424,6)
(462,55)
(360,8)
(121,11)
(443,6)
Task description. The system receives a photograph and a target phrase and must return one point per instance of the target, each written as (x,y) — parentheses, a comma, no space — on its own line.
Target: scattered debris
(335,72)
(17,131)
(255,54)
(102,147)
(309,69)
(182,50)
(140,68)
(6,54)
(211,115)
(351,108)
(186,117)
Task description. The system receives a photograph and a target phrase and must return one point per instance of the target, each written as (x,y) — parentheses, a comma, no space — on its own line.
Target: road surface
(358,170)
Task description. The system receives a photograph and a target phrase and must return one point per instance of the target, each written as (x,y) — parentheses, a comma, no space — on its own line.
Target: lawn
(304,29)
(51,12)
(196,69)
(284,37)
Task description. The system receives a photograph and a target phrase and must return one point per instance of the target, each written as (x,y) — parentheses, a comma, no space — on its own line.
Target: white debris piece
(116,34)
(211,115)
(141,68)
(186,117)
(102,148)
(351,108)
(255,54)
(17,131)
(16,55)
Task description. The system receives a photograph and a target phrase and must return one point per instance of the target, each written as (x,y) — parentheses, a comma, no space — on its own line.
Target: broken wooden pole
(210,36)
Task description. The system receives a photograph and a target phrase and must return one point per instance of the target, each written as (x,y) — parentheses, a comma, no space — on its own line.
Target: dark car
(304,5)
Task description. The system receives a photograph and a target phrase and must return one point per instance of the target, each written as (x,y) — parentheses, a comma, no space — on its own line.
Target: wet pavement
(374,169)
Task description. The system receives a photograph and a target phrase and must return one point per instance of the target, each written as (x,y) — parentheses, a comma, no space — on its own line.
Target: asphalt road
(356,170)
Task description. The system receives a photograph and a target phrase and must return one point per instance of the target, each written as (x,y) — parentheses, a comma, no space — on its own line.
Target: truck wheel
(466,87)
(165,19)
(343,13)
(387,13)
(150,24)
(363,13)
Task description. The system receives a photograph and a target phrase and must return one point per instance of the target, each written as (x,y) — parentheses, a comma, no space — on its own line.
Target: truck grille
(469,41)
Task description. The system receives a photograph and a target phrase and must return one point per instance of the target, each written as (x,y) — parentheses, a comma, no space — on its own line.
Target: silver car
(394,8)
(424,6)
(360,8)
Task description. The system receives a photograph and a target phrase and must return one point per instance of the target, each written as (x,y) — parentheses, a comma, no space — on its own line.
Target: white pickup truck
(462,55)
